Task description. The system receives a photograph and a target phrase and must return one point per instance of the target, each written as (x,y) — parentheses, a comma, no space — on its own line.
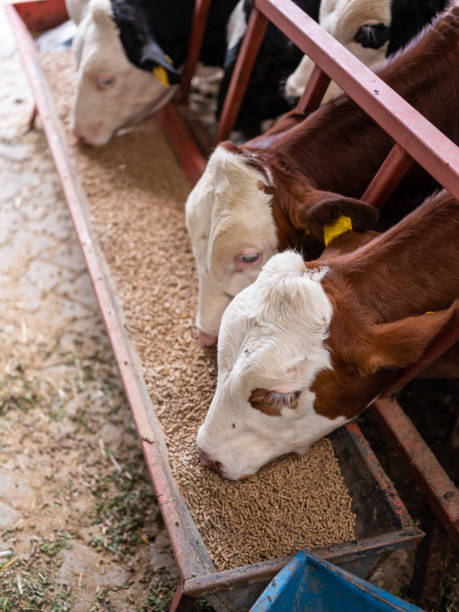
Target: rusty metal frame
(201,13)
(197,570)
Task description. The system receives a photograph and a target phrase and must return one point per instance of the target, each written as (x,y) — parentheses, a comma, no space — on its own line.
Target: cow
(310,345)
(129,55)
(370,29)
(276,59)
(283,188)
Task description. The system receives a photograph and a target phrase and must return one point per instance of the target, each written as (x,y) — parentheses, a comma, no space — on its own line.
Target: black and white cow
(370,29)
(129,54)
(276,60)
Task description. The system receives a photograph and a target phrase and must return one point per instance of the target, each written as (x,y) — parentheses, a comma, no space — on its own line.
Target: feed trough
(382,521)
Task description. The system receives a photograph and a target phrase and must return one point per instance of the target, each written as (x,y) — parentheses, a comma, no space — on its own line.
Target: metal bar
(444,340)
(181,602)
(250,45)
(201,13)
(314,91)
(189,156)
(260,572)
(439,488)
(390,173)
(371,461)
(192,560)
(417,136)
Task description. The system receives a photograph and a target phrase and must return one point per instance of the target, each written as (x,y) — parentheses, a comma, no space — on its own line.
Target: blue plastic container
(310,584)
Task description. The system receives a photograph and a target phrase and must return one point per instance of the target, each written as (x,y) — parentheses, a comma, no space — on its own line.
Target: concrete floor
(79,524)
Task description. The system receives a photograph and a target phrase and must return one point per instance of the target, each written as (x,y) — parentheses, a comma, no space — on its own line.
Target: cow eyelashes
(104,82)
(281,399)
(250,258)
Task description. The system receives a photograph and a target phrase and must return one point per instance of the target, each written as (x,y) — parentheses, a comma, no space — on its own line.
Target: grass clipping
(137,194)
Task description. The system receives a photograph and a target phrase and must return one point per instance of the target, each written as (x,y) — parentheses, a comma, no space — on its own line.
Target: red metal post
(201,12)
(390,173)
(252,40)
(438,487)
(190,158)
(314,91)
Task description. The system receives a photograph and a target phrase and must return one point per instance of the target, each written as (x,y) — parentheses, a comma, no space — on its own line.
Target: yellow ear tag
(161,75)
(429,312)
(332,230)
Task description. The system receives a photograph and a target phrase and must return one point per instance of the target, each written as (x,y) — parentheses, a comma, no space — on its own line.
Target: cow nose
(208,462)
(206,339)
(80,139)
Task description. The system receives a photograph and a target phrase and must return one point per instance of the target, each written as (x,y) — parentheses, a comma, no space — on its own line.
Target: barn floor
(79,526)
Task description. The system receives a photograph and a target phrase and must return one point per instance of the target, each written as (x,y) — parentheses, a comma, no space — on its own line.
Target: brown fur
(338,148)
(383,295)
(256,401)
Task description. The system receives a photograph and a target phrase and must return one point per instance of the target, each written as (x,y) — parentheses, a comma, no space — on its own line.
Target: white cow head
(232,232)
(271,348)
(112,93)
(362,26)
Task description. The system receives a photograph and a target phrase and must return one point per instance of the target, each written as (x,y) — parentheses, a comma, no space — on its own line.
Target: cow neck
(407,271)
(341,133)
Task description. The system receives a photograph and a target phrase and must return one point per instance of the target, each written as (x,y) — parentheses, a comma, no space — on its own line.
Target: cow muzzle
(208,462)
(206,339)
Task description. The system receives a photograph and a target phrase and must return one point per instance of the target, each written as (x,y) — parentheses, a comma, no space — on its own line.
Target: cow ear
(153,59)
(101,13)
(336,214)
(402,343)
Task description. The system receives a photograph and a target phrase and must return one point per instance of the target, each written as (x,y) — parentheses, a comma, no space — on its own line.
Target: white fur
(97,115)
(342,19)
(272,336)
(227,212)
(237,25)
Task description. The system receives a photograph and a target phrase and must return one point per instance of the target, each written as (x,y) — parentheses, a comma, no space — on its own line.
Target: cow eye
(104,82)
(250,258)
(281,399)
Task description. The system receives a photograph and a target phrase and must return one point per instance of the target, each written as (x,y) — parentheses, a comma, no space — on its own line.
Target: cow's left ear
(153,59)
(333,214)
(402,343)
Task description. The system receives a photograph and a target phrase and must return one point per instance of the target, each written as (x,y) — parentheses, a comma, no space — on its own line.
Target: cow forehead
(343,13)
(227,208)
(276,322)
(100,46)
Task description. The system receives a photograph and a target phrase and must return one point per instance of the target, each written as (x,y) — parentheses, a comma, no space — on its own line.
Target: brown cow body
(339,148)
(309,345)
(388,286)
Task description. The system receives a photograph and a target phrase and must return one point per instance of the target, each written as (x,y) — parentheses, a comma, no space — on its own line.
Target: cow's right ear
(153,59)
(402,343)
(332,214)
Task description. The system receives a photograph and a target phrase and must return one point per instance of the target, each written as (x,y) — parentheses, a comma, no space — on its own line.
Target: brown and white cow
(308,346)
(260,198)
